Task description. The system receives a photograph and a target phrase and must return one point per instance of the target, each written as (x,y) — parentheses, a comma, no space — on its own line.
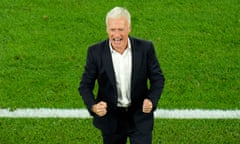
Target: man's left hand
(147,106)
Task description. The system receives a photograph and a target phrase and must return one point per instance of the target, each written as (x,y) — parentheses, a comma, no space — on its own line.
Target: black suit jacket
(147,82)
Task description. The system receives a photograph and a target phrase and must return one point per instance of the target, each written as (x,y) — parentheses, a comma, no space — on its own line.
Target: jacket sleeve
(88,81)
(155,76)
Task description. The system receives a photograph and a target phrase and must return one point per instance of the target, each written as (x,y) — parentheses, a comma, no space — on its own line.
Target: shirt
(122,64)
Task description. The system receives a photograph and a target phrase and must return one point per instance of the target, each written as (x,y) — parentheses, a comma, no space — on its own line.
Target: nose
(115,34)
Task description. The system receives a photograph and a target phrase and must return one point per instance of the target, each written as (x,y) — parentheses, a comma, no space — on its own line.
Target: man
(122,66)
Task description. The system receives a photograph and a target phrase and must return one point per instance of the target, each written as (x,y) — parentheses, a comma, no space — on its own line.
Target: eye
(112,30)
(121,29)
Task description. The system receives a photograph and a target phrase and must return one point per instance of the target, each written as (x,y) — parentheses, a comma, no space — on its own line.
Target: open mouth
(117,39)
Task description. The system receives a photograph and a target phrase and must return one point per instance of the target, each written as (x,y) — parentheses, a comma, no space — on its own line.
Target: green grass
(43,46)
(81,131)
(44,43)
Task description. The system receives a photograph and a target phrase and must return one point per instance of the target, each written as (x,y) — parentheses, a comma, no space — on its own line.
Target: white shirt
(122,64)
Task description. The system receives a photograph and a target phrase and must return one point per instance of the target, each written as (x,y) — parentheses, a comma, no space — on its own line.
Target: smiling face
(118,30)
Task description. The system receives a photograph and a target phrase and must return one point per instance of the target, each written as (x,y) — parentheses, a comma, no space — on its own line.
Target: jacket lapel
(133,64)
(107,63)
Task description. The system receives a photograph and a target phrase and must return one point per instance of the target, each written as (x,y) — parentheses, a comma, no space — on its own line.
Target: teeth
(117,39)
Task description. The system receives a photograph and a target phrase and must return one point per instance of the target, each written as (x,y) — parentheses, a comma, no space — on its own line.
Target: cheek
(109,35)
(126,34)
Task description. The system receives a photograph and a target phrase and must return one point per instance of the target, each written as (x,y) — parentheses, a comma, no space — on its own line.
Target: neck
(120,50)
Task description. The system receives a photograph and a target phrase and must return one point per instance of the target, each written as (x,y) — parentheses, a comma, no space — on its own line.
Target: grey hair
(118,12)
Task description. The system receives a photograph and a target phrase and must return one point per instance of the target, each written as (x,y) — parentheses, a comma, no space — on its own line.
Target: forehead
(122,21)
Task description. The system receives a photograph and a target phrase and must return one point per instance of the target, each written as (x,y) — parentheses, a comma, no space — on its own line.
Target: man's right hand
(100,108)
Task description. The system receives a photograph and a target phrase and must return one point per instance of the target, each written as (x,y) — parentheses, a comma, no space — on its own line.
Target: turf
(43,46)
(44,43)
(81,131)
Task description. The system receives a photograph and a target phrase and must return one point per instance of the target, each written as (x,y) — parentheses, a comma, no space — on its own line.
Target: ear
(129,29)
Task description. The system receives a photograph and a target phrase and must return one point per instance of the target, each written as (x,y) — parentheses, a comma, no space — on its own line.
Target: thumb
(147,102)
(102,103)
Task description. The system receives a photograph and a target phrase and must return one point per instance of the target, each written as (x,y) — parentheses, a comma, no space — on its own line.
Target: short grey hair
(118,12)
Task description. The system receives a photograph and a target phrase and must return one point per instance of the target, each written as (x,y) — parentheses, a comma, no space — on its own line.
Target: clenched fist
(100,108)
(147,106)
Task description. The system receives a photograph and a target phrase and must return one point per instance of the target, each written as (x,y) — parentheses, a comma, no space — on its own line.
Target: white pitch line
(197,114)
(83,113)
(45,113)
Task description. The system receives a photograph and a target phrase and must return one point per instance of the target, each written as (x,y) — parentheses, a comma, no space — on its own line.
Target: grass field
(43,46)
(81,131)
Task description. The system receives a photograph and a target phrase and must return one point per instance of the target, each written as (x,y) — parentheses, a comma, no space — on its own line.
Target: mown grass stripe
(83,113)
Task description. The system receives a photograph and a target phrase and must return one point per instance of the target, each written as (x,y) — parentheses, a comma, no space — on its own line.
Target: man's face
(118,30)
